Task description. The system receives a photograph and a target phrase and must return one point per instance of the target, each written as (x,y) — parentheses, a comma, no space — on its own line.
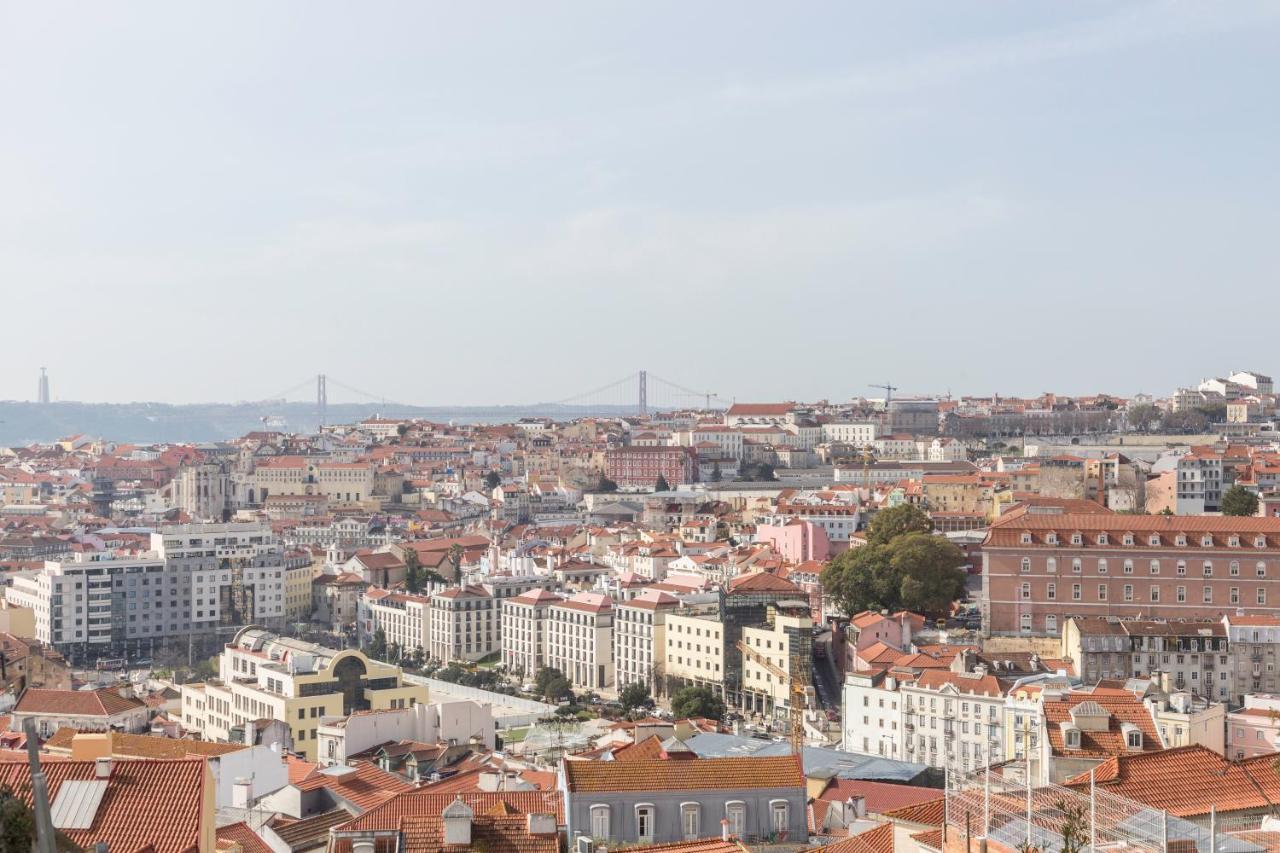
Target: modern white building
(580,640)
(524,630)
(639,631)
(465,624)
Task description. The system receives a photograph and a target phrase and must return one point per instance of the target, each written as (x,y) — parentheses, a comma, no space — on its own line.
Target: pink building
(1042,567)
(1255,728)
(796,541)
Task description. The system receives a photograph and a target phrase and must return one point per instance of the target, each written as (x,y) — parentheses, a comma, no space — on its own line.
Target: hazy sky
(485,202)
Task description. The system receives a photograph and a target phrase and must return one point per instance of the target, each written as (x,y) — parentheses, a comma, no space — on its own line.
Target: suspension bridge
(638,393)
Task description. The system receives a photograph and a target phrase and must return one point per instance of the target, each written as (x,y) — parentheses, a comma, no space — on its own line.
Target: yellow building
(693,651)
(297,593)
(774,647)
(266,676)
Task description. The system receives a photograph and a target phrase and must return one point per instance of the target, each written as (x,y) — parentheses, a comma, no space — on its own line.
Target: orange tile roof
(366,787)
(880,797)
(762,582)
(698,774)
(155,806)
(1122,709)
(650,748)
(147,746)
(240,833)
(701,845)
(1188,780)
(930,813)
(80,703)
(878,840)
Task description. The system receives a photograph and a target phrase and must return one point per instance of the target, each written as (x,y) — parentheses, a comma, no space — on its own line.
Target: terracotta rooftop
(698,774)
(78,703)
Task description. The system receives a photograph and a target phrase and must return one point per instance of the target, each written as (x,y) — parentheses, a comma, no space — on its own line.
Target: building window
(690,819)
(1128,567)
(1026,565)
(1075,538)
(600,822)
(1050,626)
(1102,539)
(1155,593)
(1102,592)
(1026,592)
(1235,568)
(1235,595)
(644,823)
(778,815)
(1051,591)
(1128,592)
(1051,565)
(1128,539)
(1073,739)
(1075,592)
(1025,619)
(1208,595)
(1262,596)
(1076,566)
(1208,569)
(736,812)
(1102,567)
(1182,593)
(1026,539)
(1182,567)
(1135,740)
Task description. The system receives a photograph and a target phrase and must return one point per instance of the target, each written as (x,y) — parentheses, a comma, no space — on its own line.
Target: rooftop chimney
(102,768)
(457,823)
(541,824)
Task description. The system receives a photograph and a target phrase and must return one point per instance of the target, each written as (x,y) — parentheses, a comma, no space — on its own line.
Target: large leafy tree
(661,484)
(697,702)
(903,567)
(888,524)
(635,695)
(1238,500)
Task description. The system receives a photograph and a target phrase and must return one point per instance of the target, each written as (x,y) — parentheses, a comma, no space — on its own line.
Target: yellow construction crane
(800,691)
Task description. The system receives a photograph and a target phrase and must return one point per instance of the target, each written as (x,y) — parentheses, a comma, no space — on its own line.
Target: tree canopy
(903,567)
(552,685)
(1238,500)
(697,702)
(492,480)
(661,484)
(635,695)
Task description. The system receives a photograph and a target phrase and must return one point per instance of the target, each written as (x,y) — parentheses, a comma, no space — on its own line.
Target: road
(826,682)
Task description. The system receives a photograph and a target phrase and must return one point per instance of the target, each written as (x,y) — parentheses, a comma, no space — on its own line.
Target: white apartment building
(953,720)
(101,604)
(1199,484)
(524,630)
(235,571)
(403,617)
(465,624)
(580,640)
(639,632)
(870,715)
(856,433)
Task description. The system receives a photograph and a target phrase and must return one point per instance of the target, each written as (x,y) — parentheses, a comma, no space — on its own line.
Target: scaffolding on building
(1011,814)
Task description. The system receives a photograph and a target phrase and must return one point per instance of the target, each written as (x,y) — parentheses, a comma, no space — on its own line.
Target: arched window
(690,820)
(600,821)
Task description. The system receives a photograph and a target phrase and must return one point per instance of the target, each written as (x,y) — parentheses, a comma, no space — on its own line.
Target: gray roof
(846,765)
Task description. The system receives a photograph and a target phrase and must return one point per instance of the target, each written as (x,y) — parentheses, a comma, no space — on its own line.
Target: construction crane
(888,393)
(801,692)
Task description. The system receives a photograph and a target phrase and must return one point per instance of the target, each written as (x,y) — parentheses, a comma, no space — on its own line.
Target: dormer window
(1180,541)
(1051,538)
(1206,541)
(1260,542)
(1102,539)
(1073,738)
(1154,539)
(1026,539)
(1128,539)
(1133,739)
(1076,539)
(1233,542)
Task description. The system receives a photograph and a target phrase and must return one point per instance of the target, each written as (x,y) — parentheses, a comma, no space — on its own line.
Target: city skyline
(455,205)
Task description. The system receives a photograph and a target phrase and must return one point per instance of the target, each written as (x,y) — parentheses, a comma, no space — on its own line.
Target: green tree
(492,480)
(913,571)
(17,824)
(551,684)
(606,485)
(888,524)
(1238,500)
(716,474)
(412,571)
(661,484)
(1143,417)
(635,695)
(378,645)
(696,702)
(455,557)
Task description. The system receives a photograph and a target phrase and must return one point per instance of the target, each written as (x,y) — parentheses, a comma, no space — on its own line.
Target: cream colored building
(403,617)
(580,640)
(777,649)
(464,624)
(639,632)
(297,593)
(524,630)
(266,676)
(341,482)
(693,650)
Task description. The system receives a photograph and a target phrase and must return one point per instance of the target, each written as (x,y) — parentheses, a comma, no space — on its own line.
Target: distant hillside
(23,423)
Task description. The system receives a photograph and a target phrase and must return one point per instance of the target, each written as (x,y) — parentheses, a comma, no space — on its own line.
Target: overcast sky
(485,202)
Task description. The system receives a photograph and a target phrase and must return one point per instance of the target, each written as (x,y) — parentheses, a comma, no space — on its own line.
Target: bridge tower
(643,404)
(322,398)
